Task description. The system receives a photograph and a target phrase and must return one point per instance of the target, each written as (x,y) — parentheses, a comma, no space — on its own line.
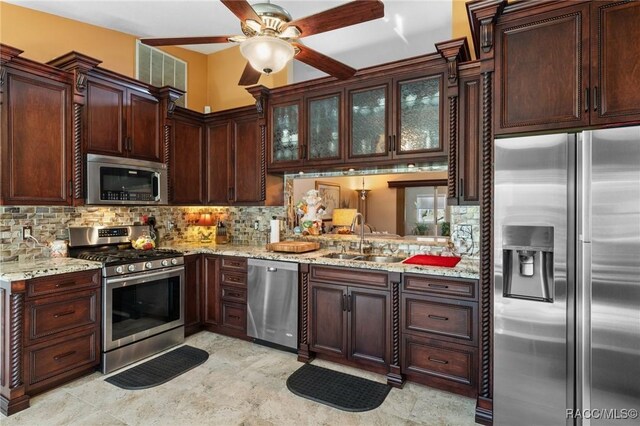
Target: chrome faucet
(353,229)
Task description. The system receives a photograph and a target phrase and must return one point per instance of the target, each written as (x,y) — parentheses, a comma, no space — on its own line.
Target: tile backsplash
(50,222)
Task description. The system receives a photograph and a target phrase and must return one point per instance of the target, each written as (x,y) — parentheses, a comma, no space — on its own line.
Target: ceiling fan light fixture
(267,54)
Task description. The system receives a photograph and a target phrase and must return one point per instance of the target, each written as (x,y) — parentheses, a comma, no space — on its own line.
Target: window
(155,67)
(426,211)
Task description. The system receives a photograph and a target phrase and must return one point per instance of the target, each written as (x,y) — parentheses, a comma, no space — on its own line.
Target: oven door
(141,305)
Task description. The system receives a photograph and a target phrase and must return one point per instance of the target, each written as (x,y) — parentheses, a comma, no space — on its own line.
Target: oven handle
(143,277)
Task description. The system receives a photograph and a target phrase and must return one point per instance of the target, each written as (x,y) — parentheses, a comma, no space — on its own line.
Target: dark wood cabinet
(61,329)
(121,119)
(383,115)
(329,319)
(186,159)
(615,62)
(224,300)
(350,316)
(193,292)
(234,158)
(440,332)
(211,291)
(569,67)
(36,134)
(465,161)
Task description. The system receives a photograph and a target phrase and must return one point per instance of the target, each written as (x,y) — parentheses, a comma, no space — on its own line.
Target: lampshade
(343,217)
(205,219)
(267,54)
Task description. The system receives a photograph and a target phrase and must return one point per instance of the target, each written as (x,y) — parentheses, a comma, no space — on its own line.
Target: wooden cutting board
(293,246)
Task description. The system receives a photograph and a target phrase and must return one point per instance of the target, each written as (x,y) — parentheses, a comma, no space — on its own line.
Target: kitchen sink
(380,259)
(342,256)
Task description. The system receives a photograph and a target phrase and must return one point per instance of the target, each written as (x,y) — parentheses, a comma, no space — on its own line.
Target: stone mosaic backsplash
(174,224)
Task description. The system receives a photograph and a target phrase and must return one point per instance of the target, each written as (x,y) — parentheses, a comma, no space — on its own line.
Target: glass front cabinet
(370,121)
(285,134)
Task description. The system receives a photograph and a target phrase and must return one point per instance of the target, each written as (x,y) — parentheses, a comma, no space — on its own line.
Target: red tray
(429,260)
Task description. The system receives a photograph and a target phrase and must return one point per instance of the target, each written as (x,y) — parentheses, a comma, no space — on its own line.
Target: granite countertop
(17,271)
(467,268)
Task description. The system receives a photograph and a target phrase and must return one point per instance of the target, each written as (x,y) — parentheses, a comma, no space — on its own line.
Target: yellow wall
(44,36)
(460,22)
(225,69)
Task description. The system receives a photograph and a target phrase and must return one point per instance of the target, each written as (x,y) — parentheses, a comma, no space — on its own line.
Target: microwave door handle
(155,183)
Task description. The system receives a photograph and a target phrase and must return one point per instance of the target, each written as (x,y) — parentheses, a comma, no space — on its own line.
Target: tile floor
(240,384)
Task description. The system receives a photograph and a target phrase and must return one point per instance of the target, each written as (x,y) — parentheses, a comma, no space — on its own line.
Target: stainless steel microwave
(117,180)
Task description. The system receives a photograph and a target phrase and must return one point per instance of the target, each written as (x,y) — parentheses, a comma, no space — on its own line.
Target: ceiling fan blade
(323,63)
(242,9)
(348,14)
(250,76)
(184,40)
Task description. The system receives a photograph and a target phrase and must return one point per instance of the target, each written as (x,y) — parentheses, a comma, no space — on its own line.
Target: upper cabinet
(234,160)
(383,115)
(186,161)
(36,136)
(122,120)
(568,67)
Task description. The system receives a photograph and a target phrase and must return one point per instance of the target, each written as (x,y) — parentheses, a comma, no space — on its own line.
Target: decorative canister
(58,248)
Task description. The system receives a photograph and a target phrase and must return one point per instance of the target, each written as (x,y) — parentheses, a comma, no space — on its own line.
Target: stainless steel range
(142,293)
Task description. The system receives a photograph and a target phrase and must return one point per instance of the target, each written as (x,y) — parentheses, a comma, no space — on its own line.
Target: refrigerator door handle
(584,187)
(583,277)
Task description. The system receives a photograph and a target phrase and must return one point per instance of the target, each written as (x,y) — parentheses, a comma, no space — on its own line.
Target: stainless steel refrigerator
(567,279)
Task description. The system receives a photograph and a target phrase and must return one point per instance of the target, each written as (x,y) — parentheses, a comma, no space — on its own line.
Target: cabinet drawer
(234,315)
(443,287)
(453,320)
(350,276)
(64,282)
(51,315)
(234,294)
(59,356)
(435,359)
(233,278)
(235,263)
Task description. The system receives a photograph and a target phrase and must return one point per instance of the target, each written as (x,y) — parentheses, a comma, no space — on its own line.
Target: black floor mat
(161,369)
(338,390)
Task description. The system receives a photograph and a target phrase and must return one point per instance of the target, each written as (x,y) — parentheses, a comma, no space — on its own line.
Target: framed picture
(330,193)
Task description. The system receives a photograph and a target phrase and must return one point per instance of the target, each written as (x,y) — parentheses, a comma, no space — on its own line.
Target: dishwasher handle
(271,269)
(271,265)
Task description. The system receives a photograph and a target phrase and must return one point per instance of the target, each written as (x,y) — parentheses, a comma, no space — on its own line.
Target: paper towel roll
(275,231)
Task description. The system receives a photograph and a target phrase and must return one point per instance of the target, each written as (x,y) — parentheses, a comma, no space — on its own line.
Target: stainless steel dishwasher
(272,302)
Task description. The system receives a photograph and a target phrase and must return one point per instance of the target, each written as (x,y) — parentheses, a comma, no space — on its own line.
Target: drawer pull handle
(234,316)
(65,284)
(234,295)
(438,317)
(439,361)
(438,285)
(62,314)
(64,355)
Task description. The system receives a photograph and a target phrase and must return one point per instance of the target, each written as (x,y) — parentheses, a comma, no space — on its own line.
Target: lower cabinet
(216,294)
(350,316)
(193,289)
(61,329)
(440,332)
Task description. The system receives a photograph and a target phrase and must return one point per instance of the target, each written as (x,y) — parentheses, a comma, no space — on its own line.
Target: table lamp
(342,219)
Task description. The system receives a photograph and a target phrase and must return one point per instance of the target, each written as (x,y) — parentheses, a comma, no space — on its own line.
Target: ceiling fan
(270,36)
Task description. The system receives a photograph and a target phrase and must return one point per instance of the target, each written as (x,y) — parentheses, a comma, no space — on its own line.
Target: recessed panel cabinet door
(248,164)
(329,319)
(186,162)
(217,160)
(369,325)
(192,293)
(615,62)
(105,118)
(144,127)
(542,71)
(35,144)
(211,291)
